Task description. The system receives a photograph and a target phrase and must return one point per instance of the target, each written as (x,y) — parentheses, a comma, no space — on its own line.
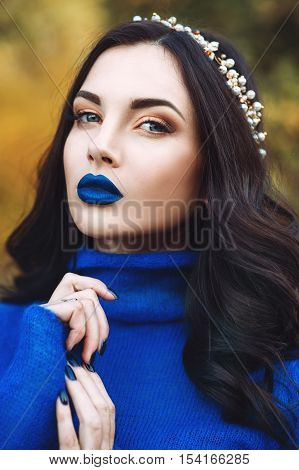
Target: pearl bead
(251,94)
(262,152)
(257,105)
(188,29)
(230,63)
(222,69)
(172,20)
(261,136)
(242,80)
(179,27)
(231,73)
(244,106)
(137,18)
(250,120)
(256,121)
(156,17)
(236,90)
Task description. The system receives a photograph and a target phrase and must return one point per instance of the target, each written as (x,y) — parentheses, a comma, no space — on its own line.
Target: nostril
(106,159)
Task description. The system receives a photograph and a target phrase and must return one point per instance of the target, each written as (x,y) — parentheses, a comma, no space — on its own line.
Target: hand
(95,411)
(82,312)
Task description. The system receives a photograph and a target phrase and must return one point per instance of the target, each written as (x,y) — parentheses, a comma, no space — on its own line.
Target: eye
(79,116)
(92,117)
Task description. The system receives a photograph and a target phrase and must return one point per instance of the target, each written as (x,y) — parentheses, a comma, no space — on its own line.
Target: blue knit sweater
(157,406)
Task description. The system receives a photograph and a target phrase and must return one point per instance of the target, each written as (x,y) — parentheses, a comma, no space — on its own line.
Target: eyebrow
(138,103)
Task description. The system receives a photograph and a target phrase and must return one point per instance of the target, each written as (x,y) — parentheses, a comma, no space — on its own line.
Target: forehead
(124,72)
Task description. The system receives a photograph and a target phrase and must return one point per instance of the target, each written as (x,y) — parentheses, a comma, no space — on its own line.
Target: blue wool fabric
(157,405)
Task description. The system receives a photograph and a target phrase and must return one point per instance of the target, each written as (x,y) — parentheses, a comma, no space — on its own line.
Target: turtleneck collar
(150,285)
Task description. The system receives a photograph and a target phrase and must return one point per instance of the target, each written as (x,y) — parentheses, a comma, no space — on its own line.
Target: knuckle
(92,422)
(79,305)
(90,292)
(103,407)
(70,441)
(67,276)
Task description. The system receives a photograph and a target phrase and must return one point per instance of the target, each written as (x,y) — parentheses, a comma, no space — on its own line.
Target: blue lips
(98,189)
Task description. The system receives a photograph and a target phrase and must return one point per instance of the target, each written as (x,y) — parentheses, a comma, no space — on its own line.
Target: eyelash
(166,127)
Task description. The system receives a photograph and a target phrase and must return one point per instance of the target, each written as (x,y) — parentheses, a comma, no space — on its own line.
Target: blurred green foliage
(42,42)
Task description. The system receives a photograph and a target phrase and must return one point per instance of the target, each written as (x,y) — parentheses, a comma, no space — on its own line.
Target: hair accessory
(252,109)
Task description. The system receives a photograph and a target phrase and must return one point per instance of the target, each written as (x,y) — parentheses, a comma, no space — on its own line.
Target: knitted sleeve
(31,381)
(32,377)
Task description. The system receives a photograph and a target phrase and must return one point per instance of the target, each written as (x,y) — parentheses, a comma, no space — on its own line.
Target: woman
(202,332)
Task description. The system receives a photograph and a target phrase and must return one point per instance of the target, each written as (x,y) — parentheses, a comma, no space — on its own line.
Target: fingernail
(74,359)
(116,297)
(89,367)
(63,397)
(103,348)
(69,372)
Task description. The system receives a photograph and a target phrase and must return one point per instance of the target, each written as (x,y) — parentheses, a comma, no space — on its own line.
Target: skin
(149,167)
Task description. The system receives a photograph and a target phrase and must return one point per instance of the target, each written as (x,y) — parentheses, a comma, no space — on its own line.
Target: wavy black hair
(241,303)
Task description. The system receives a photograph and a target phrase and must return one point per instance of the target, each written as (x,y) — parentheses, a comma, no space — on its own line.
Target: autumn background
(42,43)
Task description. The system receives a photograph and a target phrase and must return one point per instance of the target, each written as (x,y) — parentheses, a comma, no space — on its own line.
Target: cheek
(169,174)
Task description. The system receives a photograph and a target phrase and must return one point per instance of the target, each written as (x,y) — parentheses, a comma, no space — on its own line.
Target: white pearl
(222,69)
(236,90)
(166,23)
(179,27)
(255,136)
(244,106)
(249,120)
(214,46)
(188,29)
(230,63)
(172,20)
(256,121)
(232,73)
(261,136)
(251,94)
(229,83)
(257,105)
(137,18)
(242,80)
(262,152)
(156,17)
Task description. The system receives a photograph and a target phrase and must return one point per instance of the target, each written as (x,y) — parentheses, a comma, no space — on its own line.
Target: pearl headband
(235,81)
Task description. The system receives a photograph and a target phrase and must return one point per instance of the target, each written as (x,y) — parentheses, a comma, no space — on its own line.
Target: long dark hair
(241,304)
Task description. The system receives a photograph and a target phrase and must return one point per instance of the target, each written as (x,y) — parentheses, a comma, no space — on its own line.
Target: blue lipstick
(98,189)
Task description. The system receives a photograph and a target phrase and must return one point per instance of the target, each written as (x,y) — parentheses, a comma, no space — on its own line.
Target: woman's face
(155,165)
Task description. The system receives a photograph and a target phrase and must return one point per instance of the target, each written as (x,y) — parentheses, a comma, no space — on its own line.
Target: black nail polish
(63,397)
(70,373)
(89,367)
(113,292)
(103,348)
(74,358)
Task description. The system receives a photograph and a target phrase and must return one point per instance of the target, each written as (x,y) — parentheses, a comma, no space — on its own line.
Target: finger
(101,388)
(66,433)
(77,325)
(97,332)
(75,282)
(91,429)
(101,401)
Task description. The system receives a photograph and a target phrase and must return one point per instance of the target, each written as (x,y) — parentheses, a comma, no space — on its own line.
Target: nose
(101,150)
